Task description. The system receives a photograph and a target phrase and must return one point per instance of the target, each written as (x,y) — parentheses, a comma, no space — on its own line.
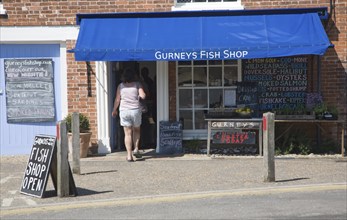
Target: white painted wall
(44,35)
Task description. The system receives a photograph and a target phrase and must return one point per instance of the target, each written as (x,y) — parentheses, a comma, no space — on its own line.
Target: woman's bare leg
(136,137)
(128,141)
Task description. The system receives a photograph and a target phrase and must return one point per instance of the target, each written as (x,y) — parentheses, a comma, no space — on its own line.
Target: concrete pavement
(112,178)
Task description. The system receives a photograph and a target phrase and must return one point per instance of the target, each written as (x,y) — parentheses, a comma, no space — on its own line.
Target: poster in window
(230,97)
(29,90)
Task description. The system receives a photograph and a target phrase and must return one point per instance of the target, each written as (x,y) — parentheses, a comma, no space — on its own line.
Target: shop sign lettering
(239,125)
(201,55)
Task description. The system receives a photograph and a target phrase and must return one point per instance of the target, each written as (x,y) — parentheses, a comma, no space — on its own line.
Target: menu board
(282,82)
(29,90)
(170,137)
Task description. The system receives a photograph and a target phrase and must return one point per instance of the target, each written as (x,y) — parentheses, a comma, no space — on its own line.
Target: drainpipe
(319,87)
(319,73)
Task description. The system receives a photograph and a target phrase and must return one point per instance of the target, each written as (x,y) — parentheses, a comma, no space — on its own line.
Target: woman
(129,93)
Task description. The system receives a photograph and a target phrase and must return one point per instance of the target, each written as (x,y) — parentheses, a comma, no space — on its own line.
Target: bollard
(269,146)
(63,169)
(343,141)
(75,129)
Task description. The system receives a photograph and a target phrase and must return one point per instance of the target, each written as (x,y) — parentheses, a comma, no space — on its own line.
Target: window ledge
(207,6)
(2,10)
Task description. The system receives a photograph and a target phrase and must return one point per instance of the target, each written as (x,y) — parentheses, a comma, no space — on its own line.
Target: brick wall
(334,62)
(77,85)
(63,13)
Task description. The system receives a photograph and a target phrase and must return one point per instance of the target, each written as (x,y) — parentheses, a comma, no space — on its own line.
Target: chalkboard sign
(170,137)
(29,90)
(38,167)
(282,82)
(234,137)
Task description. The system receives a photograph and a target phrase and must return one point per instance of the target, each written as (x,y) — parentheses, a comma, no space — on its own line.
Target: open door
(149,119)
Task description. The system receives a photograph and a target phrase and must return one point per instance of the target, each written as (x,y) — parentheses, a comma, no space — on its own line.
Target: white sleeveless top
(129,96)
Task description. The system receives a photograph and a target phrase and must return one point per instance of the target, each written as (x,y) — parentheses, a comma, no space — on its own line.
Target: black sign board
(38,167)
(29,90)
(282,82)
(170,137)
(236,137)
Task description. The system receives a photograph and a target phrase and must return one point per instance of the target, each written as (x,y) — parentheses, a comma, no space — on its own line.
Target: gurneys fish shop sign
(201,55)
(38,167)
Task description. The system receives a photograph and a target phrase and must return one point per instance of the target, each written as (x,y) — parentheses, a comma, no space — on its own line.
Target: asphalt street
(300,202)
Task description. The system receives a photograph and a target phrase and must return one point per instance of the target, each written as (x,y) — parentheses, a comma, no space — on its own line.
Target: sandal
(130,160)
(137,154)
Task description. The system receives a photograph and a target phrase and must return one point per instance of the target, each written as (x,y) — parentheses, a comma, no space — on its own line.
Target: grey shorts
(130,118)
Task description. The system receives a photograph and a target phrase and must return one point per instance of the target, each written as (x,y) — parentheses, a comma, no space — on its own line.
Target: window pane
(190,1)
(200,76)
(216,98)
(184,76)
(186,117)
(203,86)
(185,98)
(230,62)
(200,122)
(215,62)
(182,63)
(200,62)
(229,98)
(230,75)
(215,78)
(200,100)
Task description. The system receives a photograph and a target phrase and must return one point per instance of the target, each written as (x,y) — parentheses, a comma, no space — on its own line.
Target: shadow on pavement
(86,192)
(153,154)
(99,172)
(80,192)
(289,180)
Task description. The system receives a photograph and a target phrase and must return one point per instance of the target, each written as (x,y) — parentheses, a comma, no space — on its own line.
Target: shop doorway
(148,76)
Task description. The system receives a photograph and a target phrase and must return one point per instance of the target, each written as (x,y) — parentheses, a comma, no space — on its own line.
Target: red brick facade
(63,13)
(77,83)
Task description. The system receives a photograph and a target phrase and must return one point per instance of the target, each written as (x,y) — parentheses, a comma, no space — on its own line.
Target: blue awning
(212,37)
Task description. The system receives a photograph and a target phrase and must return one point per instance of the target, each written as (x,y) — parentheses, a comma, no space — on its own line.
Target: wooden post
(269,146)
(63,168)
(208,137)
(75,128)
(342,140)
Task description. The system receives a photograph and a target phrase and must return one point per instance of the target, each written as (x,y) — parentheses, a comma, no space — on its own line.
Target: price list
(282,82)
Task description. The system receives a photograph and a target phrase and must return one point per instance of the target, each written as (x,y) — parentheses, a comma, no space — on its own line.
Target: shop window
(203,86)
(3,11)
(192,1)
(207,5)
